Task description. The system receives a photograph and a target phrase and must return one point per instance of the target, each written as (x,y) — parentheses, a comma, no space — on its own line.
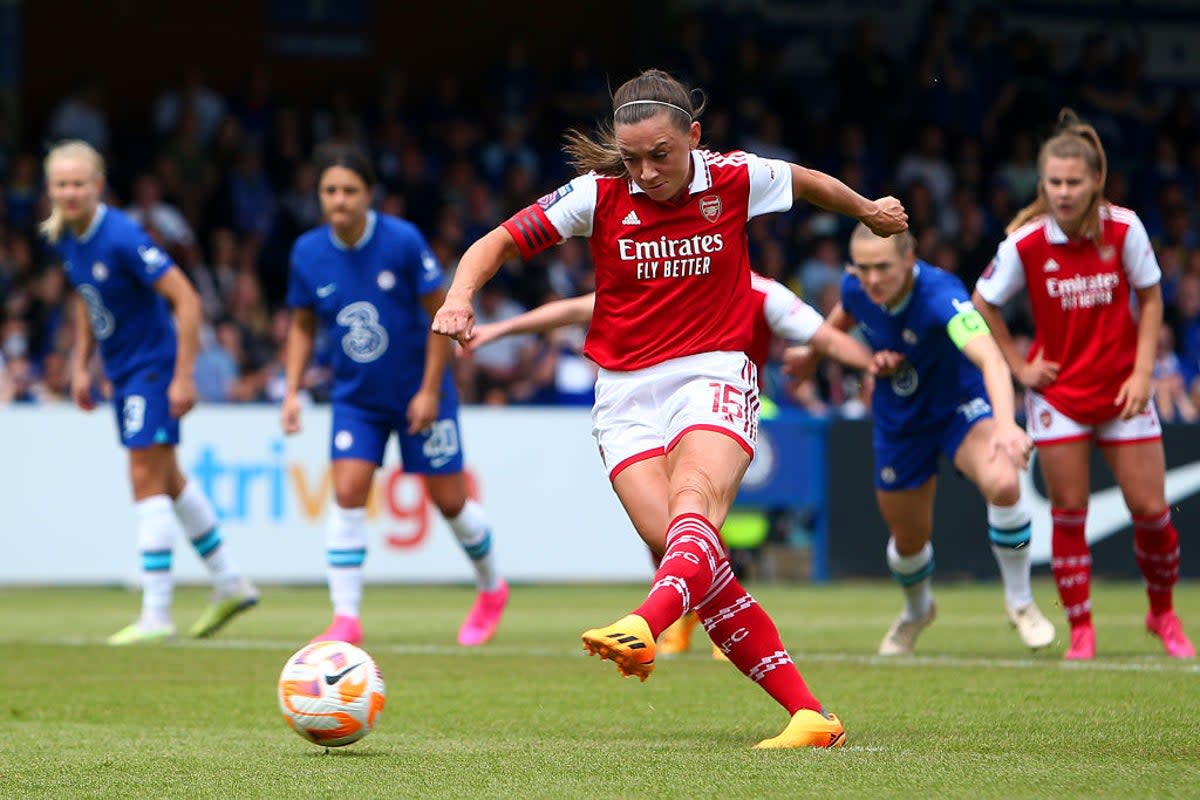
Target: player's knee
(350,496)
(1144,507)
(694,490)
(147,478)
(448,493)
(450,508)
(909,542)
(1003,490)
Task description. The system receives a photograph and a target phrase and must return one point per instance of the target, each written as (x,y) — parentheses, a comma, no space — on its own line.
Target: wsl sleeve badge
(545,201)
(331,693)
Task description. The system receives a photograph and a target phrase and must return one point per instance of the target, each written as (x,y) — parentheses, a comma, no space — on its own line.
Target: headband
(683,111)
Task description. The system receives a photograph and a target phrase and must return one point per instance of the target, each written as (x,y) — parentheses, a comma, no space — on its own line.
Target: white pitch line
(1158,664)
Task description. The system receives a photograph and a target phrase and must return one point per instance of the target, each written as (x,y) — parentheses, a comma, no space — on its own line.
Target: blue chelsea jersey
(368,299)
(935,377)
(114,267)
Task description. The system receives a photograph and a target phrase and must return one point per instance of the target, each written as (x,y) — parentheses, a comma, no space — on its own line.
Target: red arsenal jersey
(672,279)
(1079,292)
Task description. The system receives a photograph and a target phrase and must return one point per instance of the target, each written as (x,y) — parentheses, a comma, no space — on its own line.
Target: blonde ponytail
(52,226)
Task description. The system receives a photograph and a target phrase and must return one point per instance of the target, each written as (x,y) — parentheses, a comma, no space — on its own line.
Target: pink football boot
(484,617)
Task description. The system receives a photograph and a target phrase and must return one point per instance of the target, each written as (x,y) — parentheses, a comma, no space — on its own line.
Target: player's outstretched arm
(841,346)
(801,361)
(547,317)
(456,317)
(884,216)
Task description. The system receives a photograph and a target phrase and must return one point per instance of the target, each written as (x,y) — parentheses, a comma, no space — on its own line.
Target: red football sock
(1156,548)
(657,560)
(746,634)
(1071,564)
(684,575)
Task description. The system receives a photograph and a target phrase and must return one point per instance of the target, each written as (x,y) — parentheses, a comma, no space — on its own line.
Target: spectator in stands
(148,209)
(1168,387)
(822,268)
(191,97)
(21,191)
(1184,319)
(926,163)
(439,143)
(81,115)
(501,370)
(1019,169)
(867,80)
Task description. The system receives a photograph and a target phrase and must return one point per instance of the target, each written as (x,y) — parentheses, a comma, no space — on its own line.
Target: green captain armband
(965,326)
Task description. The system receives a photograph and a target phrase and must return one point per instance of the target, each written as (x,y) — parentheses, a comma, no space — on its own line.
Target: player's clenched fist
(455,319)
(887,218)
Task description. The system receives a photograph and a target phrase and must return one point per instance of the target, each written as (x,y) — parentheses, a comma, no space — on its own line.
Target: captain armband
(965,326)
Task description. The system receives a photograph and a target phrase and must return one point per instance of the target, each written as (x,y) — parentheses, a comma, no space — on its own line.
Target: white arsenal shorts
(1047,425)
(643,413)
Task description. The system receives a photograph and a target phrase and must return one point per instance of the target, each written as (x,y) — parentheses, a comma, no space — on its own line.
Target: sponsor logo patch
(152,257)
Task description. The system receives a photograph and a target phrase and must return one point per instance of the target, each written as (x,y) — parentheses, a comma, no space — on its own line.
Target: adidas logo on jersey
(1050,266)
(631,219)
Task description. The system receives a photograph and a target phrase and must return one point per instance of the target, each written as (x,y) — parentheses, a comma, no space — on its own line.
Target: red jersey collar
(701,177)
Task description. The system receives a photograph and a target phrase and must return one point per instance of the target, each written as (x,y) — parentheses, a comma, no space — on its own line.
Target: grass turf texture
(974,714)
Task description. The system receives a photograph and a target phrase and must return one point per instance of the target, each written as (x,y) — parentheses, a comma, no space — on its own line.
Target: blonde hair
(651,93)
(52,226)
(905,244)
(1073,139)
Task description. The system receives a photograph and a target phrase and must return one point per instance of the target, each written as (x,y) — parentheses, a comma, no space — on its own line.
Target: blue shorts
(905,461)
(364,434)
(143,413)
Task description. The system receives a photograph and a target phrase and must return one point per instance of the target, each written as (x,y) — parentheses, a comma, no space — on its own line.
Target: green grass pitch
(974,715)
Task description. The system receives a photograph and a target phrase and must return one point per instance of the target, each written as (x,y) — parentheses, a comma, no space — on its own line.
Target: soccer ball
(331,693)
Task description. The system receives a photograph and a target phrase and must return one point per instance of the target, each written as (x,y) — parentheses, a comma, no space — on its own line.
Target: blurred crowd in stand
(949,123)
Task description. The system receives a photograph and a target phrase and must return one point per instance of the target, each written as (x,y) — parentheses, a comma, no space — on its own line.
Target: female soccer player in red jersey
(778,313)
(1078,257)
(677,396)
